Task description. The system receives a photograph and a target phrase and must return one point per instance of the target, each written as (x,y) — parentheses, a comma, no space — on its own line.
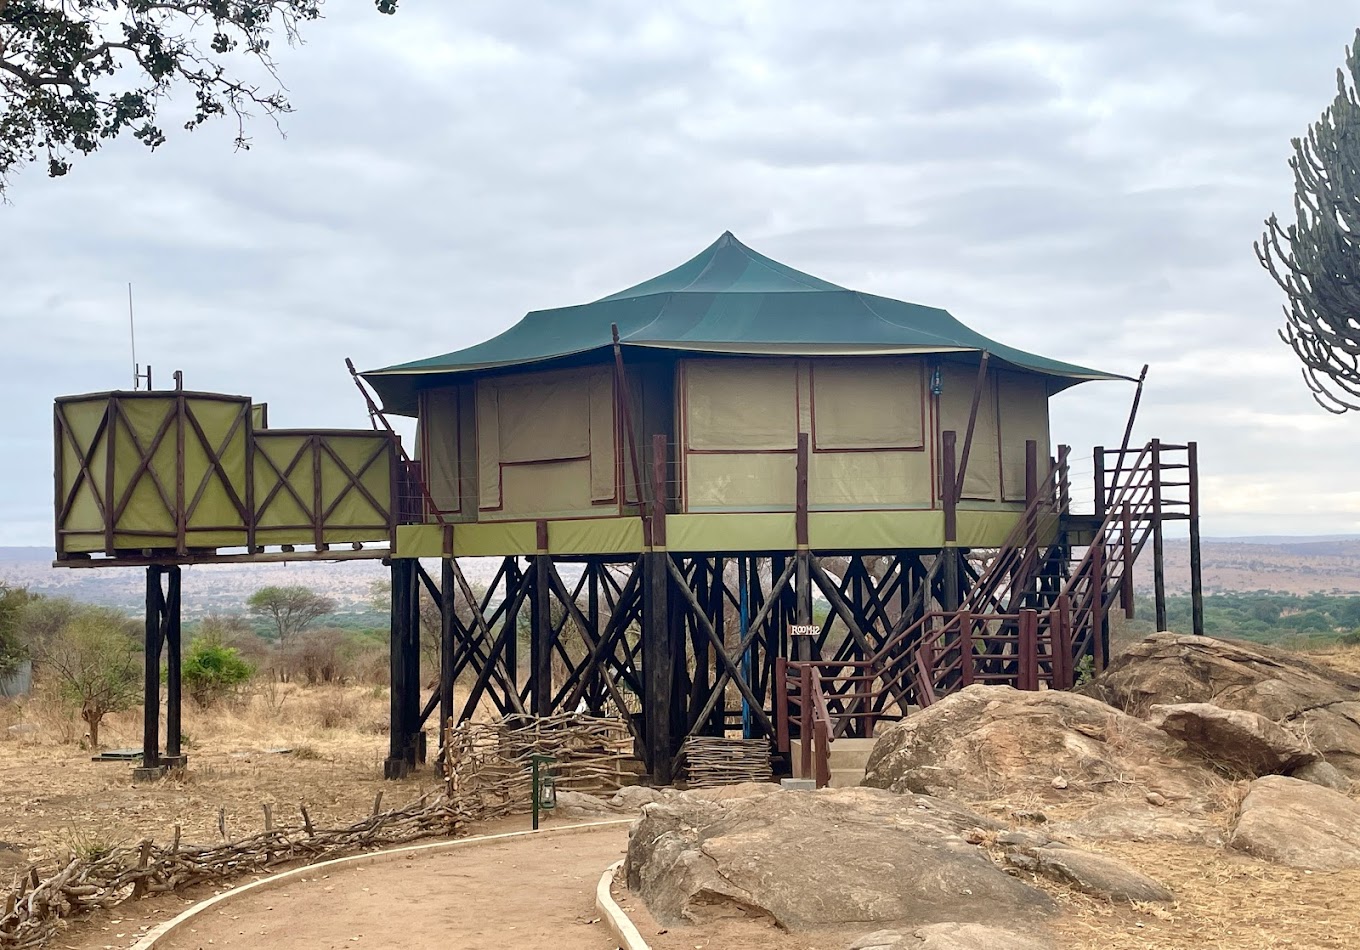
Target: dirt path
(530,892)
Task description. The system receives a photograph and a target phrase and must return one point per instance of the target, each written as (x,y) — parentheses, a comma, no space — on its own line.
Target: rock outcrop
(1235,740)
(1321,704)
(989,742)
(1137,821)
(1299,824)
(949,936)
(1096,874)
(825,859)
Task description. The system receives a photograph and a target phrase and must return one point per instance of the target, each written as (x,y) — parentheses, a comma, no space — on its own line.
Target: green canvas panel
(352,507)
(867,404)
(869,480)
(726,299)
(546,490)
(438,441)
(146,509)
(283,509)
(754,531)
(739,405)
(215,509)
(875,531)
(733,481)
(593,536)
(603,434)
(982,479)
(1022,415)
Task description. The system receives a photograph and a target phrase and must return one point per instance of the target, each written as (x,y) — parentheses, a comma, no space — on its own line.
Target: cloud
(1084,180)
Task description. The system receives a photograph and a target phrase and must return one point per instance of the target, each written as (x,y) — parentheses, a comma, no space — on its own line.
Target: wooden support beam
(687,596)
(1158,540)
(949,486)
(171,624)
(1196,575)
(151,684)
(448,643)
(1098,460)
(658,667)
(1126,574)
(1028,672)
(979,386)
(404,663)
(541,638)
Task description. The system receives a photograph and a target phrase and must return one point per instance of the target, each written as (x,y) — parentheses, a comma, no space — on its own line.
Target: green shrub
(211,670)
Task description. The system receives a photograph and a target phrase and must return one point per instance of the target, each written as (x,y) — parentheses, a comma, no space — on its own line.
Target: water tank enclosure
(185,476)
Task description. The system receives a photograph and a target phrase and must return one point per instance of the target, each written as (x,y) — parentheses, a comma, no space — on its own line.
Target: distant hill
(1298,565)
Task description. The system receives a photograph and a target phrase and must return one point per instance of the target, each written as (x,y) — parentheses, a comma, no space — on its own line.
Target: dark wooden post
(595,689)
(173,728)
(1158,543)
(448,620)
(151,693)
(658,666)
(540,638)
(1196,580)
(949,487)
(803,585)
(1126,573)
(1061,632)
(965,648)
(514,580)
(1064,479)
(404,663)
(1100,643)
(1029,650)
(1098,457)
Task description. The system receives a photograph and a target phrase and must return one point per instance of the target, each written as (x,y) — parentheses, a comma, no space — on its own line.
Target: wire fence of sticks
(488,780)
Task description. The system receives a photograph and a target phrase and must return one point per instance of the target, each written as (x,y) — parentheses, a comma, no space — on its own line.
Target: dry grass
(51,792)
(1225,901)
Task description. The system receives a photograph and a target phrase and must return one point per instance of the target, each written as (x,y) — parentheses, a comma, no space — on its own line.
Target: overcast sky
(1060,175)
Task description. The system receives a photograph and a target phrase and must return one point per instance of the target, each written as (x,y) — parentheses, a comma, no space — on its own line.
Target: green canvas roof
(727,299)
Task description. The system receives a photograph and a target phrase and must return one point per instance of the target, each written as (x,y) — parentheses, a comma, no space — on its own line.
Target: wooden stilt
(1196,577)
(1158,541)
(541,638)
(171,625)
(448,642)
(658,671)
(151,693)
(404,663)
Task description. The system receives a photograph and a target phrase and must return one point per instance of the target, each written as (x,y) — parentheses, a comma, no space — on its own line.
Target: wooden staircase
(1029,619)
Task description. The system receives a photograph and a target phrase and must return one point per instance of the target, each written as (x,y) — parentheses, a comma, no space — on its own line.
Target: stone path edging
(622,927)
(153,936)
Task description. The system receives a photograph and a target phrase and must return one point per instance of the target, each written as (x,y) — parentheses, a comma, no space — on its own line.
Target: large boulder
(1299,824)
(824,859)
(990,742)
(1322,704)
(1235,740)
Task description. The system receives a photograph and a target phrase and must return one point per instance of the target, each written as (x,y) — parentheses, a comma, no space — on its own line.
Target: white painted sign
(804,630)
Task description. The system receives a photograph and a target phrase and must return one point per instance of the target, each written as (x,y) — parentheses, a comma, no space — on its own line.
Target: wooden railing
(995,637)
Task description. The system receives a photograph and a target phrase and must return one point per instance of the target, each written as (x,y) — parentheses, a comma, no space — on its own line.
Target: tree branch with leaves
(1316,260)
(75,74)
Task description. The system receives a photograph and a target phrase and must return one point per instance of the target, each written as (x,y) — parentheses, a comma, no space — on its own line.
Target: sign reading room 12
(804,630)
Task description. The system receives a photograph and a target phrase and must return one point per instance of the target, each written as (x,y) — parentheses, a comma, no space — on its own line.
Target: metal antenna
(132,331)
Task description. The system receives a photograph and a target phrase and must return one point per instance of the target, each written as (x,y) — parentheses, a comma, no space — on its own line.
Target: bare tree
(1316,260)
(95,659)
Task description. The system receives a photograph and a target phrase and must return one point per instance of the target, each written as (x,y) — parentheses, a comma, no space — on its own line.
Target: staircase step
(846,778)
